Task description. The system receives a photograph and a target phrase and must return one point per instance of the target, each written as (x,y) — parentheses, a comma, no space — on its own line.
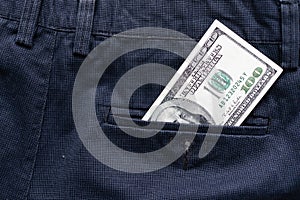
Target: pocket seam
(235,131)
(200,133)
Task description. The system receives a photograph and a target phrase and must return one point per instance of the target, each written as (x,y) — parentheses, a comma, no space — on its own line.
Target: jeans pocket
(238,143)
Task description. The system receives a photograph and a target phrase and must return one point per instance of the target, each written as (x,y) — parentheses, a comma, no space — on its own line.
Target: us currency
(219,83)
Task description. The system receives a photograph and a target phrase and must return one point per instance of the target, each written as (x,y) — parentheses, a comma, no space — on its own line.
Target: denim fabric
(41,155)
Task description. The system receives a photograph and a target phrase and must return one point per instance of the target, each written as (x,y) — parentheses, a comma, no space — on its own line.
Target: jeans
(43,44)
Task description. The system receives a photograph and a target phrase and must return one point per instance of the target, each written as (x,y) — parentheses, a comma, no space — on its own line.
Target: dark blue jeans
(42,47)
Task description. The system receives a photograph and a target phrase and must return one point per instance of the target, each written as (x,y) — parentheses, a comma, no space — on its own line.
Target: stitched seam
(26,23)
(84,18)
(79,32)
(263,131)
(43,113)
(295,36)
(109,34)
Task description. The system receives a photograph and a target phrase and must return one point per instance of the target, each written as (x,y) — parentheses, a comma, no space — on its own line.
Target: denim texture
(43,44)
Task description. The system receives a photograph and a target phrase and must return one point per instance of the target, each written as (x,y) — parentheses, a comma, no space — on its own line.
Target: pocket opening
(252,126)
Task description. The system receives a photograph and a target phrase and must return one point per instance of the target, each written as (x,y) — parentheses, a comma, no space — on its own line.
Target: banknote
(219,83)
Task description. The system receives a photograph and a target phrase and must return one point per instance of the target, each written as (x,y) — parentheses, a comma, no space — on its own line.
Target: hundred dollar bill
(219,83)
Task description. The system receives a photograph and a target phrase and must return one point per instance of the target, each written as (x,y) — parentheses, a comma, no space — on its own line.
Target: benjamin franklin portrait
(182,111)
